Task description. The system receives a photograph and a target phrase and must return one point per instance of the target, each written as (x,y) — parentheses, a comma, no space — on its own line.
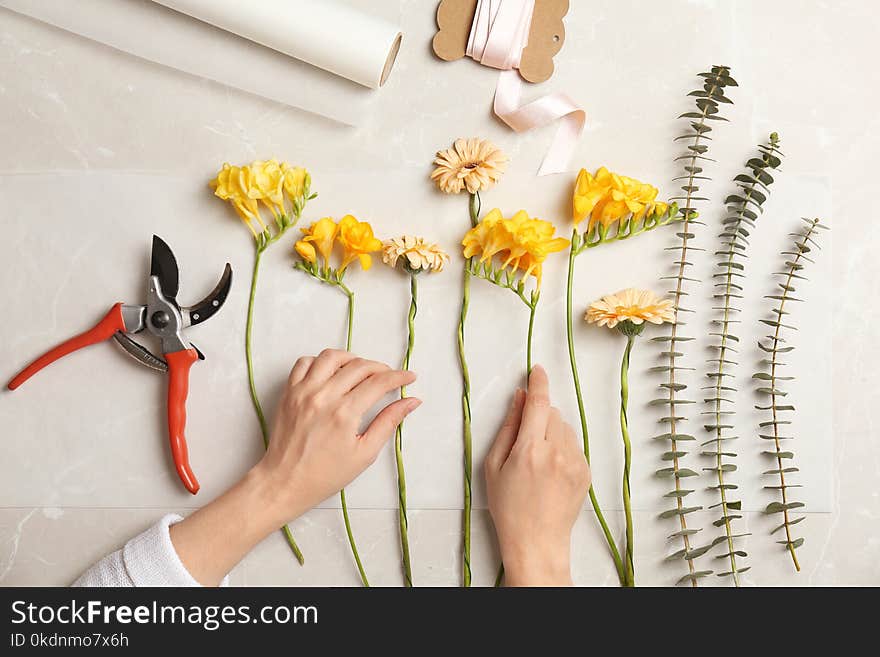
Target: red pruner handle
(103,330)
(179,363)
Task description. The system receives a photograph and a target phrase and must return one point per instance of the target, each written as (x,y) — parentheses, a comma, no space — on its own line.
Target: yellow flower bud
(321,235)
(306,250)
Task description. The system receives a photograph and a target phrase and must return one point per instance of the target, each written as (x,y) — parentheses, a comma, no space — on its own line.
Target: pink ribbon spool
(499,34)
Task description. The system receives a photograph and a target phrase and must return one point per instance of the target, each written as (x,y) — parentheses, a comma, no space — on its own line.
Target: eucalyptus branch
(773,384)
(708,102)
(744,208)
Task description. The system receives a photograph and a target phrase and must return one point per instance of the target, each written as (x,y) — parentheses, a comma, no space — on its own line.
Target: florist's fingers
(364,395)
(536,411)
(355,372)
(571,440)
(326,364)
(383,425)
(555,425)
(506,437)
(300,369)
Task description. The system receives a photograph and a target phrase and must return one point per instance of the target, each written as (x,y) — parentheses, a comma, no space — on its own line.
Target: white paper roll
(150,31)
(325,33)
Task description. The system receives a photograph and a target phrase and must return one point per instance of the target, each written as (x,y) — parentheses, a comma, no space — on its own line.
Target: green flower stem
(253,386)
(334,278)
(357,557)
(532,309)
(398,438)
(615,554)
(248,337)
(533,306)
(627,458)
(474,208)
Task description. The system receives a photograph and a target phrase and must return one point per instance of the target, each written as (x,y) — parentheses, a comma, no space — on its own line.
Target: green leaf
(692,577)
(790,523)
(671,513)
(779,507)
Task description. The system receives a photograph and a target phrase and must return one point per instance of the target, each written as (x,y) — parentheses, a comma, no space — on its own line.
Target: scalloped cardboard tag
(546,35)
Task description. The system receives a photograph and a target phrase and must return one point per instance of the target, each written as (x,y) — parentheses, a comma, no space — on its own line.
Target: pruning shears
(163,318)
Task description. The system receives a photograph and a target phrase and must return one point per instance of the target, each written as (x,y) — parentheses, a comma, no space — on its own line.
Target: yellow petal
(306,251)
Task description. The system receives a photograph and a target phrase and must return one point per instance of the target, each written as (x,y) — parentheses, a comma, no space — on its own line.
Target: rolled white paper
(149,31)
(325,33)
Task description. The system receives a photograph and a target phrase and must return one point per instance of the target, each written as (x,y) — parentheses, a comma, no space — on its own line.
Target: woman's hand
(537,479)
(315,450)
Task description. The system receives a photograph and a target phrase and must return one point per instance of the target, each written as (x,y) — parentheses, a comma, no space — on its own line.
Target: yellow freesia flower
(266,182)
(320,236)
(588,191)
(296,180)
(608,197)
(223,184)
(521,242)
(486,239)
(358,242)
(531,241)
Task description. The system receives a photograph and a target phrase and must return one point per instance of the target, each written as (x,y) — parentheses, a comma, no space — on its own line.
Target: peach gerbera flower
(630,305)
(475,164)
(417,253)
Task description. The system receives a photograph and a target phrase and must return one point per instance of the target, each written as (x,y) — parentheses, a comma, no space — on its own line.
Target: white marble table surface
(101,150)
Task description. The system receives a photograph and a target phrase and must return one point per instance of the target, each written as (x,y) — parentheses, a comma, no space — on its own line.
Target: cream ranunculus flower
(416,253)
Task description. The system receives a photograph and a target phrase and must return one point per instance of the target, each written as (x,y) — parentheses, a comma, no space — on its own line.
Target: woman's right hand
(315,447)
(537,479)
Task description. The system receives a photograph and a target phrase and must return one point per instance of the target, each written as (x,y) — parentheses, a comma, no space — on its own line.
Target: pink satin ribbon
(499,34)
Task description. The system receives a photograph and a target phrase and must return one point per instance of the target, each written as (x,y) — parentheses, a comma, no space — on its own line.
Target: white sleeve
(149,559)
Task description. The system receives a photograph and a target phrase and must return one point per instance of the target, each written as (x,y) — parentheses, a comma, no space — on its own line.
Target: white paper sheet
(147,30)
(325,33)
